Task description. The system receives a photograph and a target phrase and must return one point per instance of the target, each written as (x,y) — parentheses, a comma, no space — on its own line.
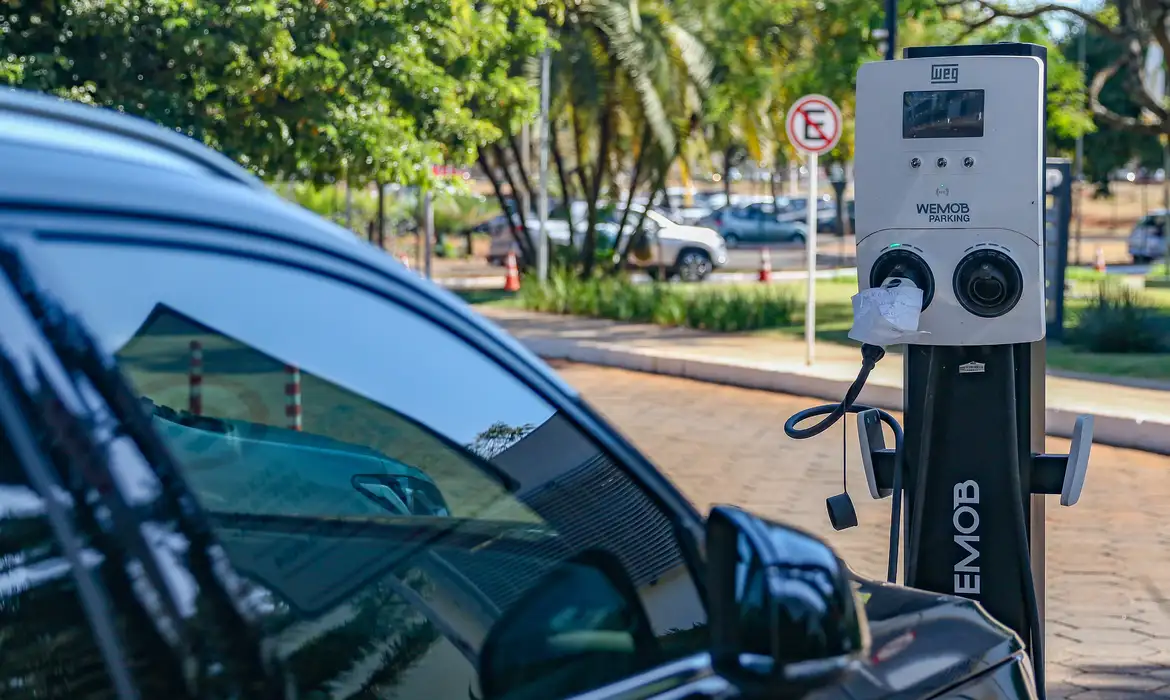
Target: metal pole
(1078,190)
(429,231)
(545,135)
(810,313)
(348,206)
(891,28)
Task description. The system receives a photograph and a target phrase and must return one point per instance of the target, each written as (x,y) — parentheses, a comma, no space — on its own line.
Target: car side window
(413,510)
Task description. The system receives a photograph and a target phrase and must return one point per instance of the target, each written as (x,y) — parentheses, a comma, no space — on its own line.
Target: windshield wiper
(255,675)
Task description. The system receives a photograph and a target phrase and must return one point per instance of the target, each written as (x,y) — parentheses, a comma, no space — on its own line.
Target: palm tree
(620,67)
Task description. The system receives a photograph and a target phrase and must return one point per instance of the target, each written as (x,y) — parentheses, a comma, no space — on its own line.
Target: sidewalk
(1125,416)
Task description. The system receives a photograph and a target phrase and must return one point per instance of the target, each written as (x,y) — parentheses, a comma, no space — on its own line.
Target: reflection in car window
(46,646)
(421,496)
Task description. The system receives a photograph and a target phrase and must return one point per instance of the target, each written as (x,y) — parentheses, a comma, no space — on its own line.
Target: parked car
(565,564)
(828,224)
(755,224)
(1147,240)
(689,253)
(232,462)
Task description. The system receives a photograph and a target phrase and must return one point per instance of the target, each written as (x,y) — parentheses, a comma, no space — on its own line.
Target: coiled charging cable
(833,412)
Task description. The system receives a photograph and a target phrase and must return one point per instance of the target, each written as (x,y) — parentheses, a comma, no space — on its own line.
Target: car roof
(59,154)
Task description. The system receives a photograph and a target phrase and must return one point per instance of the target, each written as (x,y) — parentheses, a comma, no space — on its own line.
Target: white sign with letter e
(814,127)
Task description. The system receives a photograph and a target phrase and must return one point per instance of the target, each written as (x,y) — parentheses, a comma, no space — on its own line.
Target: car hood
(697,234)
(925,642)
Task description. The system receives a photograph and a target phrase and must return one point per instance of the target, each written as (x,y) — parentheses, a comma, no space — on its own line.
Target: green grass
(487,297)
(1136,366)
(835,317)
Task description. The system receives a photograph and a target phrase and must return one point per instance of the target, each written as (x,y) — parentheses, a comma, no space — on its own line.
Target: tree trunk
(620,245)
(727,174)
(579,146)
(640,229)
(520,166)
(589,247)
(566,181)
(499,190)
(526,248)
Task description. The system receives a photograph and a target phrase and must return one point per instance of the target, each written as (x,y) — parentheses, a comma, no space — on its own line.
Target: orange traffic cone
(512,281)
(765,265)
(1099,260)
(404,260)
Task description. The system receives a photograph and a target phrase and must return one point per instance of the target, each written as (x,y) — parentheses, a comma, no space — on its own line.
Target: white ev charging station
(950,169)
(950,198)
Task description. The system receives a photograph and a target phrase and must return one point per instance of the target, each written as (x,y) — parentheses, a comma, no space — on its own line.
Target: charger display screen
(942,114)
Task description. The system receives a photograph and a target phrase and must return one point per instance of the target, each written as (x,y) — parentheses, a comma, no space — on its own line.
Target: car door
(404,488)
(772,228)
(748,222)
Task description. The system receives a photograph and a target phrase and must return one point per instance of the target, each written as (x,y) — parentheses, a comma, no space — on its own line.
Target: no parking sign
(814,125)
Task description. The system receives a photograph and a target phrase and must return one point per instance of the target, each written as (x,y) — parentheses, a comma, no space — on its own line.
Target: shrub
(731,308)
(1119,320)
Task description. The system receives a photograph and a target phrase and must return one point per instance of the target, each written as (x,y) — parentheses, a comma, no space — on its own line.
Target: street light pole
(1079,165)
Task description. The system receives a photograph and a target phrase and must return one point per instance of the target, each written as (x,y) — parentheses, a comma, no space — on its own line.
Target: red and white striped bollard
(292,397)
(195,379)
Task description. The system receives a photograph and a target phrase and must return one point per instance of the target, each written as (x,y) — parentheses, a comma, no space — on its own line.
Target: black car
(494,537)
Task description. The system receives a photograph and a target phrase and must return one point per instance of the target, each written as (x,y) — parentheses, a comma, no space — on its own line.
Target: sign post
(814,127)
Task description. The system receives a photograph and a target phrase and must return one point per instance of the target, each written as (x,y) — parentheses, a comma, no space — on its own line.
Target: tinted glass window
(407,504)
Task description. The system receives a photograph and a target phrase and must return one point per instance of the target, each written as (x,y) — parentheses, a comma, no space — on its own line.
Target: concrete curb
(1115,431)
(497,281)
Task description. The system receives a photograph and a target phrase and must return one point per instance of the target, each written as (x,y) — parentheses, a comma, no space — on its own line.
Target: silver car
(1147,241)
(756,224)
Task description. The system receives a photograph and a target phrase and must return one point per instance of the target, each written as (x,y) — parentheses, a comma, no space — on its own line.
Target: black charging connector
(842,514)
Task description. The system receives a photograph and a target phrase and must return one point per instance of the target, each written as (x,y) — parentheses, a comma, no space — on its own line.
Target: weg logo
(944,73)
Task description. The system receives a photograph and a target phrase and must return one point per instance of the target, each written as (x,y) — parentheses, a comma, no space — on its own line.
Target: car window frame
(366,270)
(383,281)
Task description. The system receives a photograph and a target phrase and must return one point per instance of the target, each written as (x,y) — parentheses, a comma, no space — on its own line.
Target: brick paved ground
(1108,558)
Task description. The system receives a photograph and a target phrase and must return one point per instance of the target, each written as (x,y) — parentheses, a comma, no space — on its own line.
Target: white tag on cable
(887,315)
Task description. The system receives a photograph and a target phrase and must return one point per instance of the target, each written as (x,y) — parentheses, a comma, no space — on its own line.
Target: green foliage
(1107,148)
(713,308)
(1120,320)
(320,89)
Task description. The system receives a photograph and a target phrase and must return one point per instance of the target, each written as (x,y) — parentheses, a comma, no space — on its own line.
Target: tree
(627,72)
(1132,27)
(497,438)
(372,90)
(1107,147)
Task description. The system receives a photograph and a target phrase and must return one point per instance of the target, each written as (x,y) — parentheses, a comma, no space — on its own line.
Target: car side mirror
(784,615)
(402,494)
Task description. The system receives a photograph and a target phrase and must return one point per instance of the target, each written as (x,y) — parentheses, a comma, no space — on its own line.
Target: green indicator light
(895,245)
